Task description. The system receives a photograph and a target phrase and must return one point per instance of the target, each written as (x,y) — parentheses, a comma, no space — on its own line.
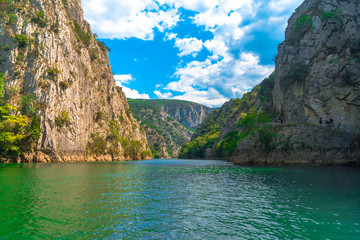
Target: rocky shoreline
(61,157)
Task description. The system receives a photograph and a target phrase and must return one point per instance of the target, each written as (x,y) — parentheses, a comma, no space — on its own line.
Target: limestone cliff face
(317,75)
(187,113)
(165,134)
(52,55)
(318,64)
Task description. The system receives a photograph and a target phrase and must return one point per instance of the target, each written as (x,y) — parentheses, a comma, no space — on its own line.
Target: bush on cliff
(16,135)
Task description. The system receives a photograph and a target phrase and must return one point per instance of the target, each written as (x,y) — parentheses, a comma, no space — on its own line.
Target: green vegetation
(6,7)
(93,54)
(64,85)
(53,71)
(98,116)
(334,60)
(151,117)
(39,19)
(267,138)
(103,46)
(101,145)
(98,144)
(22,40)
(5,46)
(251,122)
(304,20)
(266,88)
(63,119)
(16,136)
(333,14)
(27,103)
(81,35)
(197,147)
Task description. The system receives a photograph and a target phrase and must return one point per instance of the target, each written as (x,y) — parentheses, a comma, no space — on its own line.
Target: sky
(205,51)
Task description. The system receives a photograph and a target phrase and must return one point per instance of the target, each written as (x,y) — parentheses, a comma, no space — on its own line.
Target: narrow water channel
(177,199)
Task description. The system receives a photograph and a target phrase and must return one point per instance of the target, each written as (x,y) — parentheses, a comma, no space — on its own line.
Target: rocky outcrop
(165,134)
(303,145)
(317,75)
(318,65)
(50,56)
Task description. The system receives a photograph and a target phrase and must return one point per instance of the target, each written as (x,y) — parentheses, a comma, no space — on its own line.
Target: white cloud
(163,95)
(188,46)
(126,78)
(211,97)
(132,93)
(227,78)
(126,19)
(229,70)
(279,6)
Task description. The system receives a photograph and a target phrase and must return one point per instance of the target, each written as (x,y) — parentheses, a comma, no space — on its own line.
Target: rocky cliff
(317,75)
(187,113)
(56,69)
(318,65)
(168,123)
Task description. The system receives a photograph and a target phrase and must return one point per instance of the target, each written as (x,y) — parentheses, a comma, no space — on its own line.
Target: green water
(177,199)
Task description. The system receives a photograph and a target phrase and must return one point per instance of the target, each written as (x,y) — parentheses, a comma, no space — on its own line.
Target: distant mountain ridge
(168,123)
(189,114)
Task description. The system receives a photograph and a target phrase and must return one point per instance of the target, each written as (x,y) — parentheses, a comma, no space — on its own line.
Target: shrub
(63,119)
(39,19)
(267,138)
(304,20)
(103,46)
(5,46)
(93,54)
(12,18)
(64,85)
(53,71)
(27,103)
(98,144)
(81,34)
(334,14)
(22,40)
(98,116)
(114,127)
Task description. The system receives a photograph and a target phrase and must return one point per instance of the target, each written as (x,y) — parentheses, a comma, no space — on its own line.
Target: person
(320,120)
(279,119)
(331,121)
(307,118)
(327,121)
(283,120)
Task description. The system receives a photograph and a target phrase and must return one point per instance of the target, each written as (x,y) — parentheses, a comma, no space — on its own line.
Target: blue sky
(206,51)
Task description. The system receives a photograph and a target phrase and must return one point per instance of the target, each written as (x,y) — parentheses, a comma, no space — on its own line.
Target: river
(177,199)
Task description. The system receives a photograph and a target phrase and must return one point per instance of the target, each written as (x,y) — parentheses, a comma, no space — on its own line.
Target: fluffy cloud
(163,95)
(188,46)
(129,93)
(126,19)
(280,6)
(123,78)
(229,70)
(227,78)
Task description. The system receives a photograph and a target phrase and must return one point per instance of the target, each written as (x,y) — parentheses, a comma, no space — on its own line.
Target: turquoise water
(177,199)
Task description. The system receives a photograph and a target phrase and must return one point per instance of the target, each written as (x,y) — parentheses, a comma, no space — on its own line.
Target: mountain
(59,101)
(168,123)
(317,76)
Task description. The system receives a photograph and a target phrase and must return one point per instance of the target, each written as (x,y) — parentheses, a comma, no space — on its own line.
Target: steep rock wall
(164,133)
(67,71)
(318,65)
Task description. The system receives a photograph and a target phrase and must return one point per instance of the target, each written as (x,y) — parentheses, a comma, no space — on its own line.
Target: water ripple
(177,199)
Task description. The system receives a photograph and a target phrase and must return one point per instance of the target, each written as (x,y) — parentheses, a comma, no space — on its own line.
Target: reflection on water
(177,199)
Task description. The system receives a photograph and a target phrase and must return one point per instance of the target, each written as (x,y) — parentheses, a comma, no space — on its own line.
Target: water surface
(177,199)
